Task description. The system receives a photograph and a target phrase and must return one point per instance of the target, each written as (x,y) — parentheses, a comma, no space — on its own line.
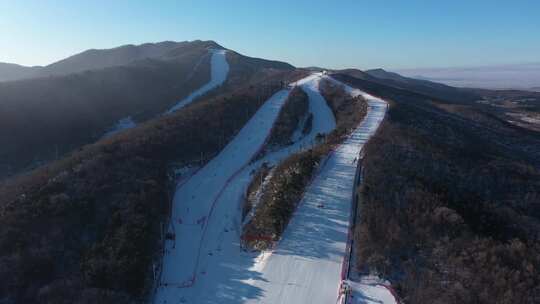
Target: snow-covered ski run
(306,266)
(123,124)
(218,74)
(205,263)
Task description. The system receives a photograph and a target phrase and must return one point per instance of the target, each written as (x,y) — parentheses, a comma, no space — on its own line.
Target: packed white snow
(194,201)
(323,118)
(370,290)
(122,124)
(186,277)
(218,74)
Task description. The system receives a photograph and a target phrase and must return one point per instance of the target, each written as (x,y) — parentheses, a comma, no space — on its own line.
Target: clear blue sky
(330,33)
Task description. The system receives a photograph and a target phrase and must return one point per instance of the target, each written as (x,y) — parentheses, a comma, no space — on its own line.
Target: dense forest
(449,203)
(87,228)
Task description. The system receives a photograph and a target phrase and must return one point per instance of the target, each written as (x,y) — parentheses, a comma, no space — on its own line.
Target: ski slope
(194,201)
(207,265)
(370,290)
(306,266)
(323,118)
(218,74)
(201,266)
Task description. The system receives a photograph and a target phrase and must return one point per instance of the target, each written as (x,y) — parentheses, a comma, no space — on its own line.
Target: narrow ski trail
(194,200)
(218,74)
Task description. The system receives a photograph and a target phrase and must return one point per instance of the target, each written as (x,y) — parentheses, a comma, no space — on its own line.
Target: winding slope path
(194,200)
(207,265)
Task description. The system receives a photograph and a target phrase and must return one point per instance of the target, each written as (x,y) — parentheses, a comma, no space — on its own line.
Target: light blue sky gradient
(330,33)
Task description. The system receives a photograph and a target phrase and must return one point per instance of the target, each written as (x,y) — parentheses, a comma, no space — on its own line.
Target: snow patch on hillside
(370,290)
(218,75)
(195,202)
(122,124)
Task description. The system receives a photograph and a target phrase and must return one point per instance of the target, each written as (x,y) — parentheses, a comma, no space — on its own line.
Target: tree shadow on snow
(319,227)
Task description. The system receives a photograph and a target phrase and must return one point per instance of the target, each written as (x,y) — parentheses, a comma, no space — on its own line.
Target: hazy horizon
(524,76)
(440,67)
(352,34)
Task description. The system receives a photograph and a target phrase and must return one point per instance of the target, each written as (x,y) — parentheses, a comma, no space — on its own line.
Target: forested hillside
(87,228)
(449,203)
(43,118)
(96,59)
